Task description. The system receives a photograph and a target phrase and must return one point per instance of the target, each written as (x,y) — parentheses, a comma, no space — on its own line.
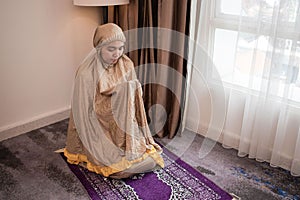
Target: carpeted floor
(29,168)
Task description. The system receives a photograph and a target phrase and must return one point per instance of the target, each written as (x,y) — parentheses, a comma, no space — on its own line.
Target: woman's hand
(158,148)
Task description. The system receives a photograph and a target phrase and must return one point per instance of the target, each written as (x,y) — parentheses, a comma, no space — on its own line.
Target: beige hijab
(83,104)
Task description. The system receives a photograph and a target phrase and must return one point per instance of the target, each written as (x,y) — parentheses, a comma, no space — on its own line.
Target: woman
(108,132)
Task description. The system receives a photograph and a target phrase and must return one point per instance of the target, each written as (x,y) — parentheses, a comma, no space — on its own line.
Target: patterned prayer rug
(177,180)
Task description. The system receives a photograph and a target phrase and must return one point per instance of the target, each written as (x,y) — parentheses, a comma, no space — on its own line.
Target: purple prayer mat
(177,180)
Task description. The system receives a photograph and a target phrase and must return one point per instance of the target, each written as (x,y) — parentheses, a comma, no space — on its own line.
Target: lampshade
(99,2)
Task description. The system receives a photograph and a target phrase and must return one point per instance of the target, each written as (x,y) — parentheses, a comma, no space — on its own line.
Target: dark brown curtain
(169,14)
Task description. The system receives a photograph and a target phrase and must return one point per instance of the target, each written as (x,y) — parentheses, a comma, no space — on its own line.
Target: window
(255,43)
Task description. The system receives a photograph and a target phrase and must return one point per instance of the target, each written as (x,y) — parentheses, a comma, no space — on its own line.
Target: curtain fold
(255,50)
(164,109)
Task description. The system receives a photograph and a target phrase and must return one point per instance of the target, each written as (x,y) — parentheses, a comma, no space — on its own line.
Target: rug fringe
(235,197)
(60,150)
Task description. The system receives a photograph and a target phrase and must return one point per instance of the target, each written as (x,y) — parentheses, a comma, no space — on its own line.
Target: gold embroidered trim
(114,168)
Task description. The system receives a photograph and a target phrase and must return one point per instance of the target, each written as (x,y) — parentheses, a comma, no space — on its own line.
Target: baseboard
(21,127)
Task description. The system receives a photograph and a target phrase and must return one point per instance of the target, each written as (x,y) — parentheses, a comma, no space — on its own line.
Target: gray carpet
(29,168)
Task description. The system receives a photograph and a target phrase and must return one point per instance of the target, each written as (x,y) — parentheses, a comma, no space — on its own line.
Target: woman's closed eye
(111,49)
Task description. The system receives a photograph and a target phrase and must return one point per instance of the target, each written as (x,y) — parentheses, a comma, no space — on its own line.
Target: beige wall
(41,44)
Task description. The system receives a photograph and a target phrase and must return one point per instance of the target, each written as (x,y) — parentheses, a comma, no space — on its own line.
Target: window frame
(217,20)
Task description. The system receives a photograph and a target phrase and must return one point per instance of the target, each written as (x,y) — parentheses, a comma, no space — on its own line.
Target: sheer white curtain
(254,46)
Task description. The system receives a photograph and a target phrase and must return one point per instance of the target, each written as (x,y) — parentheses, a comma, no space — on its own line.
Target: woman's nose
(117,54)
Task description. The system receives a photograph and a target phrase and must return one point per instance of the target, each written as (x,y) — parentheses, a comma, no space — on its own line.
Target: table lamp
(104,3)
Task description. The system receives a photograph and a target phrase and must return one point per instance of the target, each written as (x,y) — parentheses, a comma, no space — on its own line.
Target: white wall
(41,44)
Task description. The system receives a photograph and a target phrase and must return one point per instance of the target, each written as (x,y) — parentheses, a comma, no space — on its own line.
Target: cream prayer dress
(108,131)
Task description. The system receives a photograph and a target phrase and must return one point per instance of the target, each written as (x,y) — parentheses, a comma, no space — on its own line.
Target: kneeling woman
(108,131)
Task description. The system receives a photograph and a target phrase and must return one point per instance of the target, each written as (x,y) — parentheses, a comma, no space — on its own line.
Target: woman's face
(111,52)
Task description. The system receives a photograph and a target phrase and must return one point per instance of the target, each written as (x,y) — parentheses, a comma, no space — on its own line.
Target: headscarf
(107,33)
